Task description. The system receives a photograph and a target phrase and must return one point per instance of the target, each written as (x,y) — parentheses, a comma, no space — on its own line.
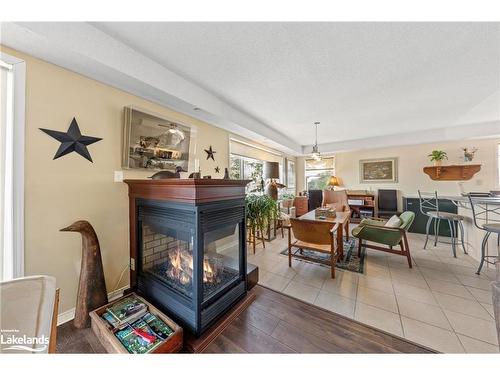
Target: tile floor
(440,303)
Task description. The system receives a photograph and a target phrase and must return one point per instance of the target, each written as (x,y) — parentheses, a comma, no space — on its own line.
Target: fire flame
(181,263)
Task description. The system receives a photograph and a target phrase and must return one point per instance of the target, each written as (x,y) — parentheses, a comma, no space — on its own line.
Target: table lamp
(333,181)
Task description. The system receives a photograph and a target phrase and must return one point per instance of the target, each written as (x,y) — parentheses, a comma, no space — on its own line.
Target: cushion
(26,308)
(338,207)
(393,222)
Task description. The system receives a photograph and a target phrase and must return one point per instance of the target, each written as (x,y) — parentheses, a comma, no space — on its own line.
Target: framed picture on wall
(378,170)
(290,175)
(153,142)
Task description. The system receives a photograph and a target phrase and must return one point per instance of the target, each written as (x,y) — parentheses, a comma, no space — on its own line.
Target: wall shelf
(452,172)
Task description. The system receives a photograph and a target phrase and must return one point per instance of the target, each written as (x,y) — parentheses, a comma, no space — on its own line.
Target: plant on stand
(437,156)
(260,210)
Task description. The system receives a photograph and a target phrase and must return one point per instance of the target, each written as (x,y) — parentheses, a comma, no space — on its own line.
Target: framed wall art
(153,142)
(378,170)
(290,175)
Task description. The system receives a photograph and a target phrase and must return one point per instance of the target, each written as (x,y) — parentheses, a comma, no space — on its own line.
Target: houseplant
(260,209)
(437,156)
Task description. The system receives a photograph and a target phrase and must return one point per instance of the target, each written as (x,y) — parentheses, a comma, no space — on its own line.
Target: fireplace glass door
(167,254)
(222,266)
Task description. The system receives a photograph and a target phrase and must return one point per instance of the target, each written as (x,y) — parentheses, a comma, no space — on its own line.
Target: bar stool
(429,206)
(479,207)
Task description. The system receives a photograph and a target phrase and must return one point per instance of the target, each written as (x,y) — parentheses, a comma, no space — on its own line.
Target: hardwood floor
(276,323)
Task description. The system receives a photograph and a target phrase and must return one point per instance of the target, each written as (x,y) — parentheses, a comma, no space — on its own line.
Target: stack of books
(324,212)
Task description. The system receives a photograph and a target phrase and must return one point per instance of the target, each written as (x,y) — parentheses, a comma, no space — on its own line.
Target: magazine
(134,343)
(158,326)
(126,310)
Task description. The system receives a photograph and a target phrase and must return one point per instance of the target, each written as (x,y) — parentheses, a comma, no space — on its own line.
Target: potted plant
(437,156)
(260,209)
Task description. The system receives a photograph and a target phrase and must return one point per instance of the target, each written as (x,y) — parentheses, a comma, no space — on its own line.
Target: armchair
(375,230)
(286,207)
(286,211)
(316,236)
(335,199)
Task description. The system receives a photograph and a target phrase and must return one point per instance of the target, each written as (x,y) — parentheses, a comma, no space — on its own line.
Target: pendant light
(316,155)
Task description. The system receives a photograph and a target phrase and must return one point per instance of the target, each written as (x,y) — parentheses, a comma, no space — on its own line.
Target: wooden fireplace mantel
(452,172)
(187,190)
(191,191)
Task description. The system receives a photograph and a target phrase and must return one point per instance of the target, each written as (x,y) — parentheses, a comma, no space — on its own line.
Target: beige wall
(58,192)
(300,165)
(412,159)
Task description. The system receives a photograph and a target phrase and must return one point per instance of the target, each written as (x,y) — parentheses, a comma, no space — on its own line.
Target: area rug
(351,262)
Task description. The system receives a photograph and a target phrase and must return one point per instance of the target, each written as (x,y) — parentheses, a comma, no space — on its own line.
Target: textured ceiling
(359,79)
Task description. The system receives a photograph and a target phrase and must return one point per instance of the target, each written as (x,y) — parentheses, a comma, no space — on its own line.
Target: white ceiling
(359,79)
(363,81)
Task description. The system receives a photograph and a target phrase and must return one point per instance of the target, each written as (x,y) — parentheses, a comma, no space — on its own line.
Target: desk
(342,219)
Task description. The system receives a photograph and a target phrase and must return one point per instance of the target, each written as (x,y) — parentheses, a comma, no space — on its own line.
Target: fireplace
(189,252)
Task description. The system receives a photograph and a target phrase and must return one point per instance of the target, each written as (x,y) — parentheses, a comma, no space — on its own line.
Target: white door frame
(19,71)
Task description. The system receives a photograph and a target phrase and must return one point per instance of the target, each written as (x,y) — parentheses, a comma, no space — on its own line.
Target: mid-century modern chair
(484,212)
(383,232)
(336,199)
(316,236)
(286,211)
(387,203)
(429,206)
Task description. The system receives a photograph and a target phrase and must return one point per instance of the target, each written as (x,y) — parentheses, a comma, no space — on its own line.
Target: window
(247,168)
(318,172)
(12,73)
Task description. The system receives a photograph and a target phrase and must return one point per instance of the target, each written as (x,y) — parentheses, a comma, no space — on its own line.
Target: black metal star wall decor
(210,153)
(217,169)
(72,140)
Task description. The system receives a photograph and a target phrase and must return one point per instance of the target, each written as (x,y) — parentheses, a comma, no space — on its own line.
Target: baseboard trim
(70,314)
(65,316)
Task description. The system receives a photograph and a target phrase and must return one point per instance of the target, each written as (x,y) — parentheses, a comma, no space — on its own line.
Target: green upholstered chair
(374,230)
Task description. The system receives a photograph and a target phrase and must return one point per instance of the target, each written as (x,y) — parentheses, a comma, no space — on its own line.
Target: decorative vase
(437,163)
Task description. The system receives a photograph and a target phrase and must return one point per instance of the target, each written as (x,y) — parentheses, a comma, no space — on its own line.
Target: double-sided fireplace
(188,248)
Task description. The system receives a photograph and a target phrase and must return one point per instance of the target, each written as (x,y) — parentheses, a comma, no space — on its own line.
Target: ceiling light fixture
(316,155)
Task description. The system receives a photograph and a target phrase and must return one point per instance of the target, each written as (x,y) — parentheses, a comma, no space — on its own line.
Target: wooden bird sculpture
(91,288)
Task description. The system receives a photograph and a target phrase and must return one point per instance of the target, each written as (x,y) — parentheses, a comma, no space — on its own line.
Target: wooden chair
(336,199)
(316,236)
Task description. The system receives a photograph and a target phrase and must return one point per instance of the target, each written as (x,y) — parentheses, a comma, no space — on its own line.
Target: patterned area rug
(351,262)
